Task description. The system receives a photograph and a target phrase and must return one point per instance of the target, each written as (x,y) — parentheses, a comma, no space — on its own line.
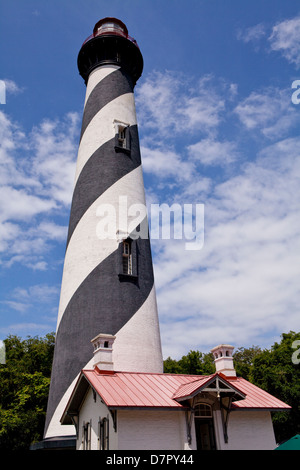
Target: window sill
(122,149)
(128,277)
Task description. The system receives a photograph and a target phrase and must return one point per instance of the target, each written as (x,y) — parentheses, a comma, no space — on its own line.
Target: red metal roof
(188,389)
(130,389)
(256,397)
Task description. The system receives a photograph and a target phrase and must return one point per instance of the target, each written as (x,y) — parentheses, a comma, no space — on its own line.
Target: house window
(103,433)
(202,410)
(122,137)
(86,436)
(127,257)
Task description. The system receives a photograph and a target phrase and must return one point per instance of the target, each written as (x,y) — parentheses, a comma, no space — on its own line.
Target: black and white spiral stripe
(94,299)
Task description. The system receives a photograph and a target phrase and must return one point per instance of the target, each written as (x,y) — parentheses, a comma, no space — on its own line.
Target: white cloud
(29,300)
(205,108)
(244,283)
(211,152)
(12,139)
(42,293)
(168,103)
(12,87)
(173,111)
(285,38)
(43,162)
(165,163)
(8,231)
(53,231)
(269,111)
(288,151)
(18,306)
(55,149)
(197,188)
(19,205)
(36,265)
(36,181)
(252,34)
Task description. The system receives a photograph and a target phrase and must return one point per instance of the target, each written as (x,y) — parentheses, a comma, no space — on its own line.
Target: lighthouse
(107,284)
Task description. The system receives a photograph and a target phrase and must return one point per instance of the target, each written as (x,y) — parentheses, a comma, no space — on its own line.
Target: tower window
(127,260)
(122,137)
(127,257)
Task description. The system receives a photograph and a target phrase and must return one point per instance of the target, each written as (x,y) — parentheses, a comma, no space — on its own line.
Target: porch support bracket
(225,410)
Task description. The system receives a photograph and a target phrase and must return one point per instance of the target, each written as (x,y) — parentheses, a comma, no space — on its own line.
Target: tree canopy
(194,362)
(277,371)
(24,387)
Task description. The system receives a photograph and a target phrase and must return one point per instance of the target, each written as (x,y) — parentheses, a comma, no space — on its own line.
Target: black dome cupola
(110,43)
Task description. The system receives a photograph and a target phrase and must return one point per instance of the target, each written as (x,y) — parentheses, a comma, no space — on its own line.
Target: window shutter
(134,257)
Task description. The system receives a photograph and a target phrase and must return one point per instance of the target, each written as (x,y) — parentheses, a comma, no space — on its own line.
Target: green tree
(277,372)
(194,362)
(24,387)
(171,366)
(243,360)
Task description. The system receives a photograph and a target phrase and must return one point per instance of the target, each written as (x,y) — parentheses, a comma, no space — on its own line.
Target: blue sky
(217,127)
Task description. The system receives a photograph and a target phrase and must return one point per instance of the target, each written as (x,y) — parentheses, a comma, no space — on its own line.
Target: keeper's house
(156,411)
